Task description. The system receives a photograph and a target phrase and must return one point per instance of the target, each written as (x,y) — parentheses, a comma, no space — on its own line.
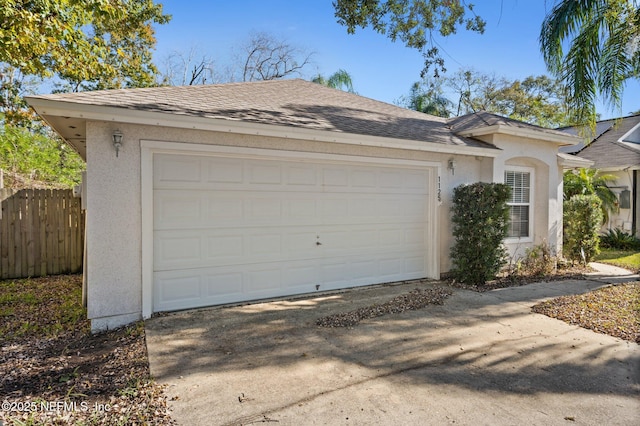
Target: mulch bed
(413,300)
(55,372)
(613,310)
(99,379)
(566,273)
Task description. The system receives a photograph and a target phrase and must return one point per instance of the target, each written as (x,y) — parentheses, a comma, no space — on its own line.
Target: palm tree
(603,39)
(429,100)
(427,97)
(338,80)
(592,182)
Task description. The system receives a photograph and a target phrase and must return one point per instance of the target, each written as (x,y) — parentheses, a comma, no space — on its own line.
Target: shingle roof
(296,103)
(488,119)
(607,150)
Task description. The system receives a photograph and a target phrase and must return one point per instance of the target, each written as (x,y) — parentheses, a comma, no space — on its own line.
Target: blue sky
(380,69)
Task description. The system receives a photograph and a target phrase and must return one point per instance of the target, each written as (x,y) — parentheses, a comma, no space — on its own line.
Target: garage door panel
(179,249)
(265,173)
(175,169)
(264,244)
(390,267)
(176,209)
(182,289)
(175,249)
(223,209)
(237,229)
(224,248)
(301,176)
(176,291)
(224,171)
(415,265)
(301,276)
(263,280)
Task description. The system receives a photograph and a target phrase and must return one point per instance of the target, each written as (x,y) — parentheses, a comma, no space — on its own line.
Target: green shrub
(619,240)
(582,219)
(480,224)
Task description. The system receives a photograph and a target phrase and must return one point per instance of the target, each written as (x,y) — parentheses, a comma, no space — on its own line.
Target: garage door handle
(318,243)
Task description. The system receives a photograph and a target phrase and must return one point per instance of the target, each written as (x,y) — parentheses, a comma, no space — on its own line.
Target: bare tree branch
(270,58)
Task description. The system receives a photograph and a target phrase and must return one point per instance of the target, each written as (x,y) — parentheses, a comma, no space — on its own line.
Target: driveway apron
(481,358)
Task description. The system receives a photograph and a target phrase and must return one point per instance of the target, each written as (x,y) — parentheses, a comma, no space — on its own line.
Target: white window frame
(530,204)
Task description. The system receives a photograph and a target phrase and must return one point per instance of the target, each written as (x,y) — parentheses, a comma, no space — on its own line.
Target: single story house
(217,194)
(615,149)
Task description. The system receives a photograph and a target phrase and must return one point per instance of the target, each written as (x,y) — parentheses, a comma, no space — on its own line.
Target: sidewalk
(611,274)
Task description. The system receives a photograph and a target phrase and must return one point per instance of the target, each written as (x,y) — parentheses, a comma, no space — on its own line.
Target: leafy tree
(414,22)
(537,100)
(38,156)
(593,46)
(87,44)
(592,182)
(476,91)
(13,86)
(340,79)
(428,97)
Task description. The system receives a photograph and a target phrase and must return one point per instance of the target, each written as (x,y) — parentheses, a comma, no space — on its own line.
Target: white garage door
(237,229)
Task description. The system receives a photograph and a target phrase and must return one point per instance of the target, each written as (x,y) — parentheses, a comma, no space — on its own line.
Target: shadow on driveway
(481,358)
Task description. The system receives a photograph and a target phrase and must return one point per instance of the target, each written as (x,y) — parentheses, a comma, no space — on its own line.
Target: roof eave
(521,132)
(569,161)
(46,107)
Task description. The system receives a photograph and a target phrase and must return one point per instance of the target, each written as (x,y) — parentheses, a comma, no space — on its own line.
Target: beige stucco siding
(623,218)
(547,202)
(114,203)
(114,199)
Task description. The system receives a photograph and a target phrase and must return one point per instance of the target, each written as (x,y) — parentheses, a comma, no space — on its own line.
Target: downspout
(634,211)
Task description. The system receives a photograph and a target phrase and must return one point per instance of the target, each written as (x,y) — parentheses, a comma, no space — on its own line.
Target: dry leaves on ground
(415,299)
(53,371)
(613,310)
(515,280)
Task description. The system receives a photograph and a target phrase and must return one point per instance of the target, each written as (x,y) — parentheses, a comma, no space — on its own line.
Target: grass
(627,259)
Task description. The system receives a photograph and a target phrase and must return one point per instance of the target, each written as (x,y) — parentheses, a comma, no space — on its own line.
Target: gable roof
(612,147)
(284,108)
(483,123)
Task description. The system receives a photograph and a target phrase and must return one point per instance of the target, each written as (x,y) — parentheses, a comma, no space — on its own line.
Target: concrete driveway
(481,358)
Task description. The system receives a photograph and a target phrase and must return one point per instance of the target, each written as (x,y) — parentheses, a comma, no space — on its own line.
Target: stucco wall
(622,219)
(547,201)
(114,266)
(114,240)
(468,170)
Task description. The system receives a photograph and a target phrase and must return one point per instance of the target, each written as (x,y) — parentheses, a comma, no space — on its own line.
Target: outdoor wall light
(117,141)
(451,165)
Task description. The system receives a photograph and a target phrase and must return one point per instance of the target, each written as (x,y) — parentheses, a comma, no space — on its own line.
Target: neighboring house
(228,193)
(615,150)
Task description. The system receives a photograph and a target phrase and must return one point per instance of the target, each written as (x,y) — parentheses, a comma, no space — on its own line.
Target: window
(520,203)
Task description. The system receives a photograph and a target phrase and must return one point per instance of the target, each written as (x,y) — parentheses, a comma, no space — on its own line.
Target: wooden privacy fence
(41,233)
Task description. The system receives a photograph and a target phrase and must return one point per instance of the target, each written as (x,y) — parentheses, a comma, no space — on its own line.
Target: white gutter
(562,139)
(568,161)
(103,113)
